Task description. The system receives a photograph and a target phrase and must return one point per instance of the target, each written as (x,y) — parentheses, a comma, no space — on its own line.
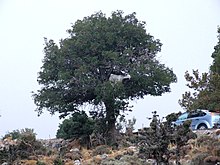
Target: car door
(196,117)
(181,119)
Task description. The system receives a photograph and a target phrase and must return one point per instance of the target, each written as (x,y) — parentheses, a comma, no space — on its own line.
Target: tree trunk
(110,122)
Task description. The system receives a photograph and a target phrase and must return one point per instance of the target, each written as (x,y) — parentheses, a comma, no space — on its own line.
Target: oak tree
(78,70)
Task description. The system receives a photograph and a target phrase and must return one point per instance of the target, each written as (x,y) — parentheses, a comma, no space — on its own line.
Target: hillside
(204,150)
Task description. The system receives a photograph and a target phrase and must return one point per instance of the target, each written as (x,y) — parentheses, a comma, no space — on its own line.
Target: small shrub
(58,161)
(131,160)
(216,150)
(195,151)
(199,159)
(125,160)
(14,135)
(49,152)
(205,140)
(110,161)
(132,139)
(40,163)
(3,156)
(103,149)
(28,135)
(212,159)
(26,146)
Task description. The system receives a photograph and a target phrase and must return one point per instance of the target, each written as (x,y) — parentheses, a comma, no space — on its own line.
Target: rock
(32,157)
(4,163)
(76,150)
(133,148)
(217,134)
(104,156)
(77,162)
(151,161)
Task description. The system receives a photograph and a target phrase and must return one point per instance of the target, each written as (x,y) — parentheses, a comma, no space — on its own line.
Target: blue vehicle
(201,119)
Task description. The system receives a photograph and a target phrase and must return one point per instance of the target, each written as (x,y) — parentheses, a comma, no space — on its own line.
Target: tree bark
(110,122)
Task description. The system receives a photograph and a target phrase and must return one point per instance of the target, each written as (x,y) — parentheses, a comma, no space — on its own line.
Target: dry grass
(29,162)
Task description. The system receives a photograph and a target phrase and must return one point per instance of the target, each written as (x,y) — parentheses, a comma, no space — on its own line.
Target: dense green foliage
(206,87)
(206,94)
(77,70)
(79,125)
(172,117)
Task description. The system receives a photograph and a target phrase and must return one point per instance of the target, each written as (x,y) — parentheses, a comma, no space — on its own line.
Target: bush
(14,135)
(206,140)
(155,140)
(199,159)
(79,125)
(212,160)
(103,149)
(216,150)
(26,146)
(58,161)
(40,163)
(26,134)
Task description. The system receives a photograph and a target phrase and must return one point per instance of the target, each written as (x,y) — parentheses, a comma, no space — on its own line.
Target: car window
(183,116)
(196,114)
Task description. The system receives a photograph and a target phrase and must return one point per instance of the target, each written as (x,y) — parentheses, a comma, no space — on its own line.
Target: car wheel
(202,126)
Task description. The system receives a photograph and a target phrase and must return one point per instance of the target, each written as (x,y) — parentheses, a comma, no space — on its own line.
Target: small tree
(215,67)
(205,92)
(180,136)
(125,125)
(78,126)
(154,141)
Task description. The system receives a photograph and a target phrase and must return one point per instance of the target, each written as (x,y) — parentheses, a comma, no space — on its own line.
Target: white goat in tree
(118,78)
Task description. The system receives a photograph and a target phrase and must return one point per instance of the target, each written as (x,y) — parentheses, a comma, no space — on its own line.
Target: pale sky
(187,29)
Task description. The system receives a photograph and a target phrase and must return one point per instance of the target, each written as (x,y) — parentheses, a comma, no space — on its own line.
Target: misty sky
(187,29)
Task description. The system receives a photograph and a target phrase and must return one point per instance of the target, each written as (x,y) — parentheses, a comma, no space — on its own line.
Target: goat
(118,78)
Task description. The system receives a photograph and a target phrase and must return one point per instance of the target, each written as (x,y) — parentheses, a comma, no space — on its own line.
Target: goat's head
(127,76)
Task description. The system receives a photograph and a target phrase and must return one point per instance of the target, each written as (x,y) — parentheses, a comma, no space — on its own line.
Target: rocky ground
(204,150)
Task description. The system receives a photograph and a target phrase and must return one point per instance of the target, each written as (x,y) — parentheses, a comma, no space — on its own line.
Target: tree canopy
(206,87)
(77,70)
